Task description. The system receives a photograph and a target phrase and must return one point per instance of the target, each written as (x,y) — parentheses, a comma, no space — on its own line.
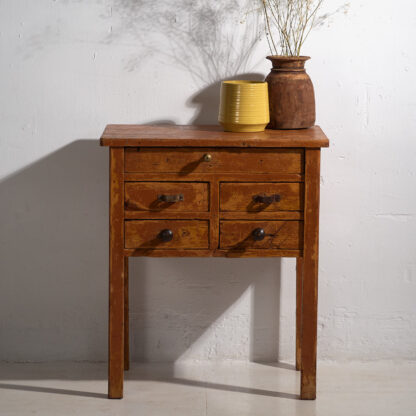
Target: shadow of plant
(207,100)
(206,38)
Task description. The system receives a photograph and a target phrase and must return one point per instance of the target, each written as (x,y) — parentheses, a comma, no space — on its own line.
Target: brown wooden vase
(291,94)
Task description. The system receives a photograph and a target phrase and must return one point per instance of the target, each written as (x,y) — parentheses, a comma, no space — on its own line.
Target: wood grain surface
(116,285)
(132,135)
(299,288)
(279,234)
(231,253)
(310,276)
(218,174)
(190,234)
(239,197)
(143,196)
(244,176)
(126,316)
(192,160)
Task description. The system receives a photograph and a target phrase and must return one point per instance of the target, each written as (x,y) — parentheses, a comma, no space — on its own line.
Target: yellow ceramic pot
(244,106)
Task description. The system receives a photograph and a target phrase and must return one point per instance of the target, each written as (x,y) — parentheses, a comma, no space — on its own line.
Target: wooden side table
(186,191)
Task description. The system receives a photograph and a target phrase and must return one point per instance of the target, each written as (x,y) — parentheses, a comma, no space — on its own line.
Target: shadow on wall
(54,234)
(175,301)
(187,308)
(205,38)
(206,101)
(54,276)
(53,257)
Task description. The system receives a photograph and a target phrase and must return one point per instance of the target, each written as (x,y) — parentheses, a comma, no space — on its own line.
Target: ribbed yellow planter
(244,106)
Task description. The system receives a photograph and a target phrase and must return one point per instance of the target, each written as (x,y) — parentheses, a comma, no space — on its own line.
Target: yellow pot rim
(243,82)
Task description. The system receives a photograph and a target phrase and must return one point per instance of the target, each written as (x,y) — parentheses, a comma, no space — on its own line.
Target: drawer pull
(170,198)
(258,234)
(266,199)
(207,157)
(166,235)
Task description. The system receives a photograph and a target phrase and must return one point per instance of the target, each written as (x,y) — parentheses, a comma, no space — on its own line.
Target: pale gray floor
(208,389)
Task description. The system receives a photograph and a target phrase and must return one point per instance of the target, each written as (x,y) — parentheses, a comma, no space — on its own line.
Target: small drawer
(166,196)
(261,235)
(213,160)
(172,234)
(259,197)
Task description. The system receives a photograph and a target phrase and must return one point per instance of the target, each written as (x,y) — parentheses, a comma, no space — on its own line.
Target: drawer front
(191,234)
(259,197)
(166,196)
(199,160)
(248,235)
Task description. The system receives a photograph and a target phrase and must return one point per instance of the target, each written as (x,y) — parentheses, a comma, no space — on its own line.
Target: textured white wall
(67,68)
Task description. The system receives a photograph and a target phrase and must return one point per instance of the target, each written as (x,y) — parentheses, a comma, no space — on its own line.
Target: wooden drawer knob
(207,157)
(258,234)
(166,235)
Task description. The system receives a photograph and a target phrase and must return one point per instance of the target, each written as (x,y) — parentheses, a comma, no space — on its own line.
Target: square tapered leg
(116,283)
(309,312)
(126,315)
(299,285)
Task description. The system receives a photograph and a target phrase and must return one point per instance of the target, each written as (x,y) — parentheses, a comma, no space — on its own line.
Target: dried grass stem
(293,21)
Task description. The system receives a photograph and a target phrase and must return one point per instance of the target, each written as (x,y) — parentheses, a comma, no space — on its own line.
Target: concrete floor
(208,389)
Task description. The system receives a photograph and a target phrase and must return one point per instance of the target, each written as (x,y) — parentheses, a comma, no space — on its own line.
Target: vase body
(244,106)
(291,93)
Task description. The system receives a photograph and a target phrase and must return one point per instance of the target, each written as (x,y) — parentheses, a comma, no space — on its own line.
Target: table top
(135,135)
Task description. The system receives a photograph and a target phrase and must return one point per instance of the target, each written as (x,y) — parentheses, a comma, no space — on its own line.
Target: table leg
(309,311)
(299,278)
(126,315)
(116,285)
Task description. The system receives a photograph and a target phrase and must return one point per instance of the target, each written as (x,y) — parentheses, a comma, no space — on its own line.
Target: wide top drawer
(211,160)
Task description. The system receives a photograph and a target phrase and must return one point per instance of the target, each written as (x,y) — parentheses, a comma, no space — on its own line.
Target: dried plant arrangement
(293,21)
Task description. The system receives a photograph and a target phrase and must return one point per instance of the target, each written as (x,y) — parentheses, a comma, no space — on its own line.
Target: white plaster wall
(67,68)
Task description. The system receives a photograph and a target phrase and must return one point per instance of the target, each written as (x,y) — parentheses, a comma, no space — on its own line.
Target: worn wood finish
(309,312)
(144,196)
(291,93)
(126,316)
(149,215)
(217,216)
(241,197)
(299,278)
(214,208)
(116,285)
(232,252)
(206,136)
(158,215)
(190,234)
(195,160)
(279,235)
(246,176)
(268,215)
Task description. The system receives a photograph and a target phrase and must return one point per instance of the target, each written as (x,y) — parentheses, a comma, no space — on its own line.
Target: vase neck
(288,63)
